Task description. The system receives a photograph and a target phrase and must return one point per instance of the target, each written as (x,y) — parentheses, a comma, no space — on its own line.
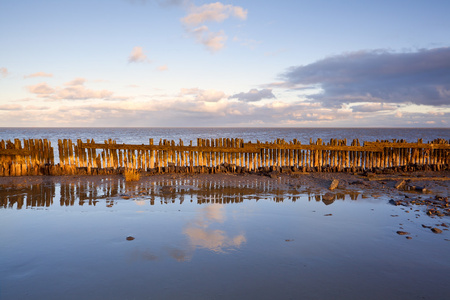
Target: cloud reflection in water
(201,235)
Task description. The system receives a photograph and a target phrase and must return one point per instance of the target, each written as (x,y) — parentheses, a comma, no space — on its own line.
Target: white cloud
(41,89)
(10,107)
(80,92)
(213,41)
(76,81)
(4,72)
(38,74)
(137,55)
(203,95)
(163,68)
(213,12)
(196,107)
(74,90)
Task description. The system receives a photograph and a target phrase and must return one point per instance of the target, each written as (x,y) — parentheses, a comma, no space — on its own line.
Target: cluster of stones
(436,207)
(439,206)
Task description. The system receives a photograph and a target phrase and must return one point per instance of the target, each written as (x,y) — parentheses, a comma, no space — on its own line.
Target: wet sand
(415,184)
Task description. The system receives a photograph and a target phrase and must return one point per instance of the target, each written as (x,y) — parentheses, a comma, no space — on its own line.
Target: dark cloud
(373,107)
(421,77)
(254,95)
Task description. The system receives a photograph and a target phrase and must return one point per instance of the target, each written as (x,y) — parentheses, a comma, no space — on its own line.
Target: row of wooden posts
(36,157)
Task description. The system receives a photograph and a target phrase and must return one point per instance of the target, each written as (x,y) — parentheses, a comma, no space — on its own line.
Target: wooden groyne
(36,157)
(33,157)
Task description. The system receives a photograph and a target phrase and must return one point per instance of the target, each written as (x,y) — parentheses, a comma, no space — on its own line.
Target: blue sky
(231,63)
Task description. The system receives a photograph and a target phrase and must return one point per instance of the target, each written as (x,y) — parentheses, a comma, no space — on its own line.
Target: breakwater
(37,156)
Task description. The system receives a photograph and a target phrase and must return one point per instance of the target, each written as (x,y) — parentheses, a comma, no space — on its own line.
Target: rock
(328,215)
(130,238)
(409,238)
(436,230)
(334,184)
(402,232)
(396,203)
(425,226)
(419,189)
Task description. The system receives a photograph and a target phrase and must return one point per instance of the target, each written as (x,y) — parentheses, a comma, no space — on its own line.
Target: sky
(189,63)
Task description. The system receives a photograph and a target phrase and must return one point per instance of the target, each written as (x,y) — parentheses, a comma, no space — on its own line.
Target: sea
(225,237)
(142,135)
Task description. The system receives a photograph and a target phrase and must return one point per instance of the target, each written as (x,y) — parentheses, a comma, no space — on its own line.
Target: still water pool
(190,239)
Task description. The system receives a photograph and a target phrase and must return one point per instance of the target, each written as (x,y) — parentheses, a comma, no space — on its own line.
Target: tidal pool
(192,239)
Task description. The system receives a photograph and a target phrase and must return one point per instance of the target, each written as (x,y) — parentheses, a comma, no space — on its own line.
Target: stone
(402,232)
(334,184)
(436,230)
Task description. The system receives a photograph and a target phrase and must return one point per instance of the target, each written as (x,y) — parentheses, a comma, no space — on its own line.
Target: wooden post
(60,152)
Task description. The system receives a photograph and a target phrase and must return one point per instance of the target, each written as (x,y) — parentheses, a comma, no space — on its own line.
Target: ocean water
(142,135)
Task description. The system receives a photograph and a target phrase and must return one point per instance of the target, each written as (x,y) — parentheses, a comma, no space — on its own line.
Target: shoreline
(403,184)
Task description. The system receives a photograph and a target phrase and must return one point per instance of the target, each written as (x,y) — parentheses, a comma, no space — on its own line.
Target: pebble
(402,232)
(130,238)
(436,230)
